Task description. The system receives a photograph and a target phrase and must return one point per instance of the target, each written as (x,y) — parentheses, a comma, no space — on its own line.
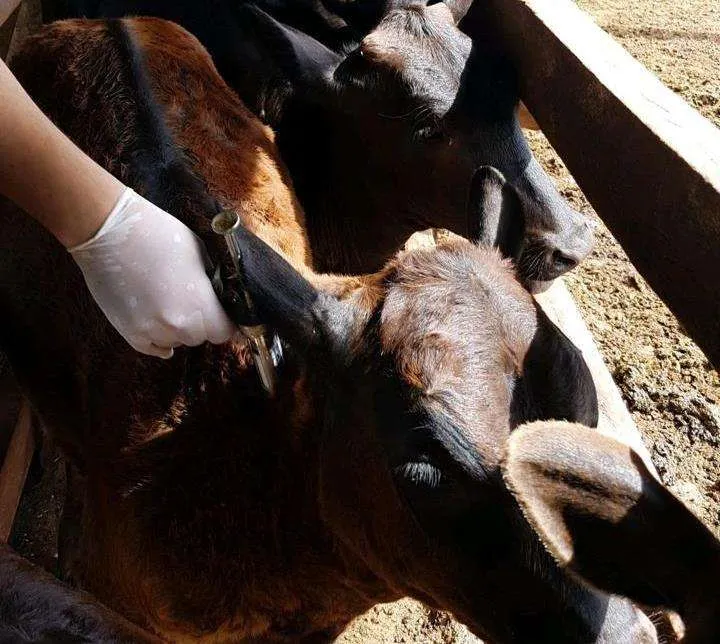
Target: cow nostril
(563,262)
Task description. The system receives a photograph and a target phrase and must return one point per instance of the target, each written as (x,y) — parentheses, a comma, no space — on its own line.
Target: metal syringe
(266,351)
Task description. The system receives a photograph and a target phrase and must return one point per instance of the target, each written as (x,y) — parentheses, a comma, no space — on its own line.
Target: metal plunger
(239,305)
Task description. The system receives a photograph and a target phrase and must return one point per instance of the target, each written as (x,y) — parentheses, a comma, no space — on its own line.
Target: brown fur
(243,168)
(209,511)
(233,152)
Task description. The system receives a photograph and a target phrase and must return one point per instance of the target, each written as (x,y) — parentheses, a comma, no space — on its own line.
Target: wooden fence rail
(14,469)
(7,8)
(647,161)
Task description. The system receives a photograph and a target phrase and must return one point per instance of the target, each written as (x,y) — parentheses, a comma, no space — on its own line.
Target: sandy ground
(670,388)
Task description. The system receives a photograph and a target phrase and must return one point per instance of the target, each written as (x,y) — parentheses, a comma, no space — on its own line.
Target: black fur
(163,173)
(355,138)
(37,608)
(556,383)
(159,169)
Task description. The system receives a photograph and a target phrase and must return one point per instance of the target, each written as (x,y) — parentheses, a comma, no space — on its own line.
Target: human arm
(144,268)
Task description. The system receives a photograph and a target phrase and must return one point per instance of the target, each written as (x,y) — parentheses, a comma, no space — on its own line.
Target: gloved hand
(146,271)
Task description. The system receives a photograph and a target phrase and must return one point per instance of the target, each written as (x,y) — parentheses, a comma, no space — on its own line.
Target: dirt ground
(672,392)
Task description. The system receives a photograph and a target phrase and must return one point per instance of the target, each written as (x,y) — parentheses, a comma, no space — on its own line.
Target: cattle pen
(648,163)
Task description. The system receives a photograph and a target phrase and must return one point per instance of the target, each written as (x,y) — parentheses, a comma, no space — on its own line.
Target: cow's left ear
(282,298)
(456,9)
(556,381)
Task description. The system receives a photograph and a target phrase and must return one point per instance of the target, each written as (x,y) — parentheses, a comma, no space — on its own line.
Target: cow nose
(626,624)
(562,261)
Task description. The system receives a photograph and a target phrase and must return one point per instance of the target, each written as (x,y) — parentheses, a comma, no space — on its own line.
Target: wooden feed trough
(648,163)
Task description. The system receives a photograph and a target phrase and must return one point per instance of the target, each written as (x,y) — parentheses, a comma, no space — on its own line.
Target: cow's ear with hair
(458,8)
(494,212)
(603,515)
(285,60)
(454,9)
(288,302)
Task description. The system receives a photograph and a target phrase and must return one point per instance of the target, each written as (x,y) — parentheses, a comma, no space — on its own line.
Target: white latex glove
(146,271)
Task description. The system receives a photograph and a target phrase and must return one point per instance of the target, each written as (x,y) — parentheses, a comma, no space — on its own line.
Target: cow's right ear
(603,515)
(285,300)
(283,55)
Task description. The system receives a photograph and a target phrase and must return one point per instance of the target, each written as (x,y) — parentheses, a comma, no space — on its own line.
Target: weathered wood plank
(526,119)
(14,470)
(647,161)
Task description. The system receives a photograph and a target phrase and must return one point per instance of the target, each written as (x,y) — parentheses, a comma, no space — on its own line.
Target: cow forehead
(414,29)
(427,53)
(455,312)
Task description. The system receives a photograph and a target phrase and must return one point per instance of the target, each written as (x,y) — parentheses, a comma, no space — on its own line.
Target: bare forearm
(45,173)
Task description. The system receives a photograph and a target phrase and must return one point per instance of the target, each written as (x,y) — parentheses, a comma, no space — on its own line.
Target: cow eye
(420,473)
(429,133)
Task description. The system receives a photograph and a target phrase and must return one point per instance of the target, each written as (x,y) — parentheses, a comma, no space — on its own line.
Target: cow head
(399,125)
(418,374)
(452,357)
(605,517)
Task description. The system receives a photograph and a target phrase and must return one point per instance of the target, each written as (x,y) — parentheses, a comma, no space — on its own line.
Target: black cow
(35,608)
(382,125)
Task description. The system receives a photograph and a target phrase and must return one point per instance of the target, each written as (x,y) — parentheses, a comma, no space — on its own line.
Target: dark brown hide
(209,511)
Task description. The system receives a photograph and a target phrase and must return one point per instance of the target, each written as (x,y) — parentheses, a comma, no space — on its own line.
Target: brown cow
(210,511)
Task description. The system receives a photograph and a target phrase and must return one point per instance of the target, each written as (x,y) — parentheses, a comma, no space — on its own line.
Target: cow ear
(603,515)
(456,9)
(284,55)
(494,212)
(285,300)
(556,381)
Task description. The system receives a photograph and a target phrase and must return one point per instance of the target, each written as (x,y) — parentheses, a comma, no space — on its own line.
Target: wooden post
(14,469)
(647,161)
